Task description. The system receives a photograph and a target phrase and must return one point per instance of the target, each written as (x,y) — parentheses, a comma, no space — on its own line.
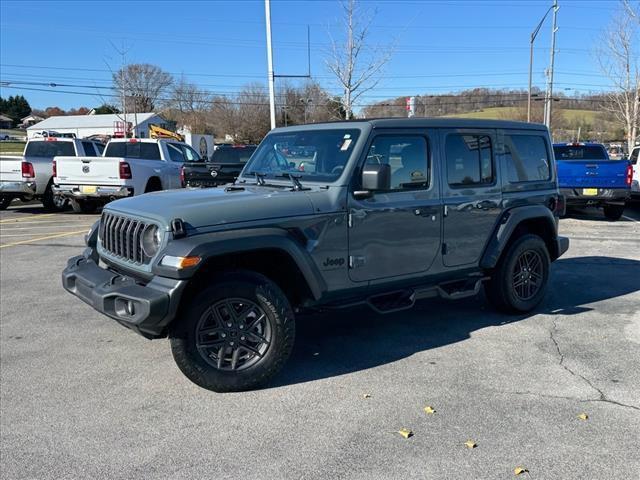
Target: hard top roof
(424,122)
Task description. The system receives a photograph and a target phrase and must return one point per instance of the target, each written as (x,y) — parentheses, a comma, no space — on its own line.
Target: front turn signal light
(180,263)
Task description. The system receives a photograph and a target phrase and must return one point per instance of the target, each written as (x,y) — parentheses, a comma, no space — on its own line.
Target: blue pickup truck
(588,177)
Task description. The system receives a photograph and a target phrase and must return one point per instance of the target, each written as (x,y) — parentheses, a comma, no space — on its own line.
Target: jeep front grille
(122,237)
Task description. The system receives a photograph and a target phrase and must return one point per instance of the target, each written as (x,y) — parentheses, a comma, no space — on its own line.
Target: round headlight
(151,240)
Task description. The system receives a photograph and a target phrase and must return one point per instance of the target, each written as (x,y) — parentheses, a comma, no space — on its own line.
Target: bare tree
(188,104)
(142,84)
(618,58)
(355,63)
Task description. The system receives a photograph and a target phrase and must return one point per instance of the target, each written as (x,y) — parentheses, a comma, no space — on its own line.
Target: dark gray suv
(393,210)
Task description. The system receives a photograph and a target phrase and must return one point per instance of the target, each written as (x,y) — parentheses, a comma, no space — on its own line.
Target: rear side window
(89,151)
(634,156)
(232,154)
(407,156)
(175,152)
(142,150)
(579,152)
(50,149)
(527,158)
(469,160)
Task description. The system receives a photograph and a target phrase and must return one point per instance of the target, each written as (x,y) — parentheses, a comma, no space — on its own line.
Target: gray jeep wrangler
(327,216)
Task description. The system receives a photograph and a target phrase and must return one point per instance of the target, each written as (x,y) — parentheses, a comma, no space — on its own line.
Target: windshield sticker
(345,145)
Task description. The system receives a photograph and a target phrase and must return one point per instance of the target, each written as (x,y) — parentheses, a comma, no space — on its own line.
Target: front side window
(314,155)
(408,157)
(175,153)
(527,158)
(190,154)
(469,159)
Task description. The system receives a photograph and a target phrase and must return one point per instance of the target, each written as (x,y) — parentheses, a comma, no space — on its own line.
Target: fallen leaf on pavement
(471,444)
(405,432)
(366,395)
(429,409)
(583,416)
(520,470)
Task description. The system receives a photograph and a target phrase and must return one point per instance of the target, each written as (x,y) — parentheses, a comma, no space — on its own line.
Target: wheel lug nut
(223,335)
(241,327)
(231,343)
(242,338)
(228,325)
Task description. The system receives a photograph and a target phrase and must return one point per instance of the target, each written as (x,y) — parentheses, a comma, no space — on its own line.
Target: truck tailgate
(592,173)
(209,174)
(88,170)
(11,169)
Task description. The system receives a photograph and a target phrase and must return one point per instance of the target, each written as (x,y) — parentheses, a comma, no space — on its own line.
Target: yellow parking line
(11,228)
(12,220)
(43,238)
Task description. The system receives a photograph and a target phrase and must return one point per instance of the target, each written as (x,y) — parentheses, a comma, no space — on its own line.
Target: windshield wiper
(295,179)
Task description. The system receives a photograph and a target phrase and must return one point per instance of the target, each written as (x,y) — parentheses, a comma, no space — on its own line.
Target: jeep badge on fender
(432,209)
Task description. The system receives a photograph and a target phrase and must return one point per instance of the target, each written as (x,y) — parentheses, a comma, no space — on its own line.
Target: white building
(109,124)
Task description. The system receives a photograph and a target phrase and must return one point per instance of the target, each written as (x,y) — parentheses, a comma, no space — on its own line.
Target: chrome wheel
(528,275)
(233,334)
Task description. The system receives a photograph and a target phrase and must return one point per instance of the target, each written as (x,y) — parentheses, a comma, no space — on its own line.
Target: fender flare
(507,225)
(217,244)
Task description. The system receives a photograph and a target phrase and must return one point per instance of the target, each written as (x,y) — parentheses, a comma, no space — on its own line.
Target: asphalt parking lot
(81,397)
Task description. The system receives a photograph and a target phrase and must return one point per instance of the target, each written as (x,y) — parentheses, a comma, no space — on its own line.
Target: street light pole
(272,93)
(534,34)
(554,29)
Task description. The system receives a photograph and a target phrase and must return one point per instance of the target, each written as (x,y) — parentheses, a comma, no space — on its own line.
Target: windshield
(579,152)
(313,155)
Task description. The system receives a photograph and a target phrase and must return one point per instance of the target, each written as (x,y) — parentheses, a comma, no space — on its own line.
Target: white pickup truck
(31,175)
(129,167)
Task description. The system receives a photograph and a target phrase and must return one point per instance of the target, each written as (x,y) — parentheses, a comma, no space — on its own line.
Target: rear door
(471,194)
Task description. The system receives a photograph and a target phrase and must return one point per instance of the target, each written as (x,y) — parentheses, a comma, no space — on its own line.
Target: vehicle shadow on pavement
(338,343)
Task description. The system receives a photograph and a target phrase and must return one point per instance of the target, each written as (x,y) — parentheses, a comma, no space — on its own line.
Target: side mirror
(375,178)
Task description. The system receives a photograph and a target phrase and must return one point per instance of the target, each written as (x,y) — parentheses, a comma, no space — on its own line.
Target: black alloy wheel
(527,275)
(233,334)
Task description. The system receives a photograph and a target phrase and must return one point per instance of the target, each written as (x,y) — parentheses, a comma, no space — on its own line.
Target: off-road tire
(500,289)
(84,206)
(613,212)
(5,202)
(50,203)
(257,289)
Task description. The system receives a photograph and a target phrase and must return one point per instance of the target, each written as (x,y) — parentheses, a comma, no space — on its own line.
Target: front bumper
(101,192)
(608,196)
(18,188)
(146,308)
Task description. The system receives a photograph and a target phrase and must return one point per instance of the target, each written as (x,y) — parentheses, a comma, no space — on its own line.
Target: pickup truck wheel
(235,335)
(519,282)
(53,203)
(5,202)
(613,212)
(84,206)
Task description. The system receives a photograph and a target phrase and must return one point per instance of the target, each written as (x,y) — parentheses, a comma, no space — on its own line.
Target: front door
(397,232)
(471,194)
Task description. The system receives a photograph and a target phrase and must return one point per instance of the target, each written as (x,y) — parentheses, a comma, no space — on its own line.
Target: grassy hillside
(508,113)
(12,148)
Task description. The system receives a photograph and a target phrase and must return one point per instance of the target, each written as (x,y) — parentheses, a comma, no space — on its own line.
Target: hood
(215,206)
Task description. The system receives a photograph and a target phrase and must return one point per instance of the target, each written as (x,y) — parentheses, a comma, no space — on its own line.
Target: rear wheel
(613,212)
(5,201)
(519,282)
(84,206)
(235,335)
(53,203)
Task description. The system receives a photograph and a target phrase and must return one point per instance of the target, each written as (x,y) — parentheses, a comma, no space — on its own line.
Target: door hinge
(350,220)
(446,211)
(444,249)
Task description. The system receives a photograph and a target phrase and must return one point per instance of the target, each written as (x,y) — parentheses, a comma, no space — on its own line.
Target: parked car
(635,181)
(224,166)
(129,167)
(588,177)
(396,210)
(31,175)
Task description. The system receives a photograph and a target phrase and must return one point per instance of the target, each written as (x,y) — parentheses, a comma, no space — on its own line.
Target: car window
(142,150)
(175,152)
(469,159)
(407,156)
(50,148)
(89,151)
(634,156)
(239,154)
(527,158)
(579,152)
(190,154)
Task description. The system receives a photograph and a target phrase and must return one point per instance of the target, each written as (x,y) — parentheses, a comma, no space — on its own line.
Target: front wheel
(519,282)
(235,335)
(613,212)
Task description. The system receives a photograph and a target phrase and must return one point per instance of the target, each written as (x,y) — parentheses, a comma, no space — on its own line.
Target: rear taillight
(629,178)
(183,182)
(55,169)
(27,170)
(125,171)
(560,206)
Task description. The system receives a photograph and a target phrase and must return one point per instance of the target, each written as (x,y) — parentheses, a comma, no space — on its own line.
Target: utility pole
(532,39)
(272,93)
(549,96)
